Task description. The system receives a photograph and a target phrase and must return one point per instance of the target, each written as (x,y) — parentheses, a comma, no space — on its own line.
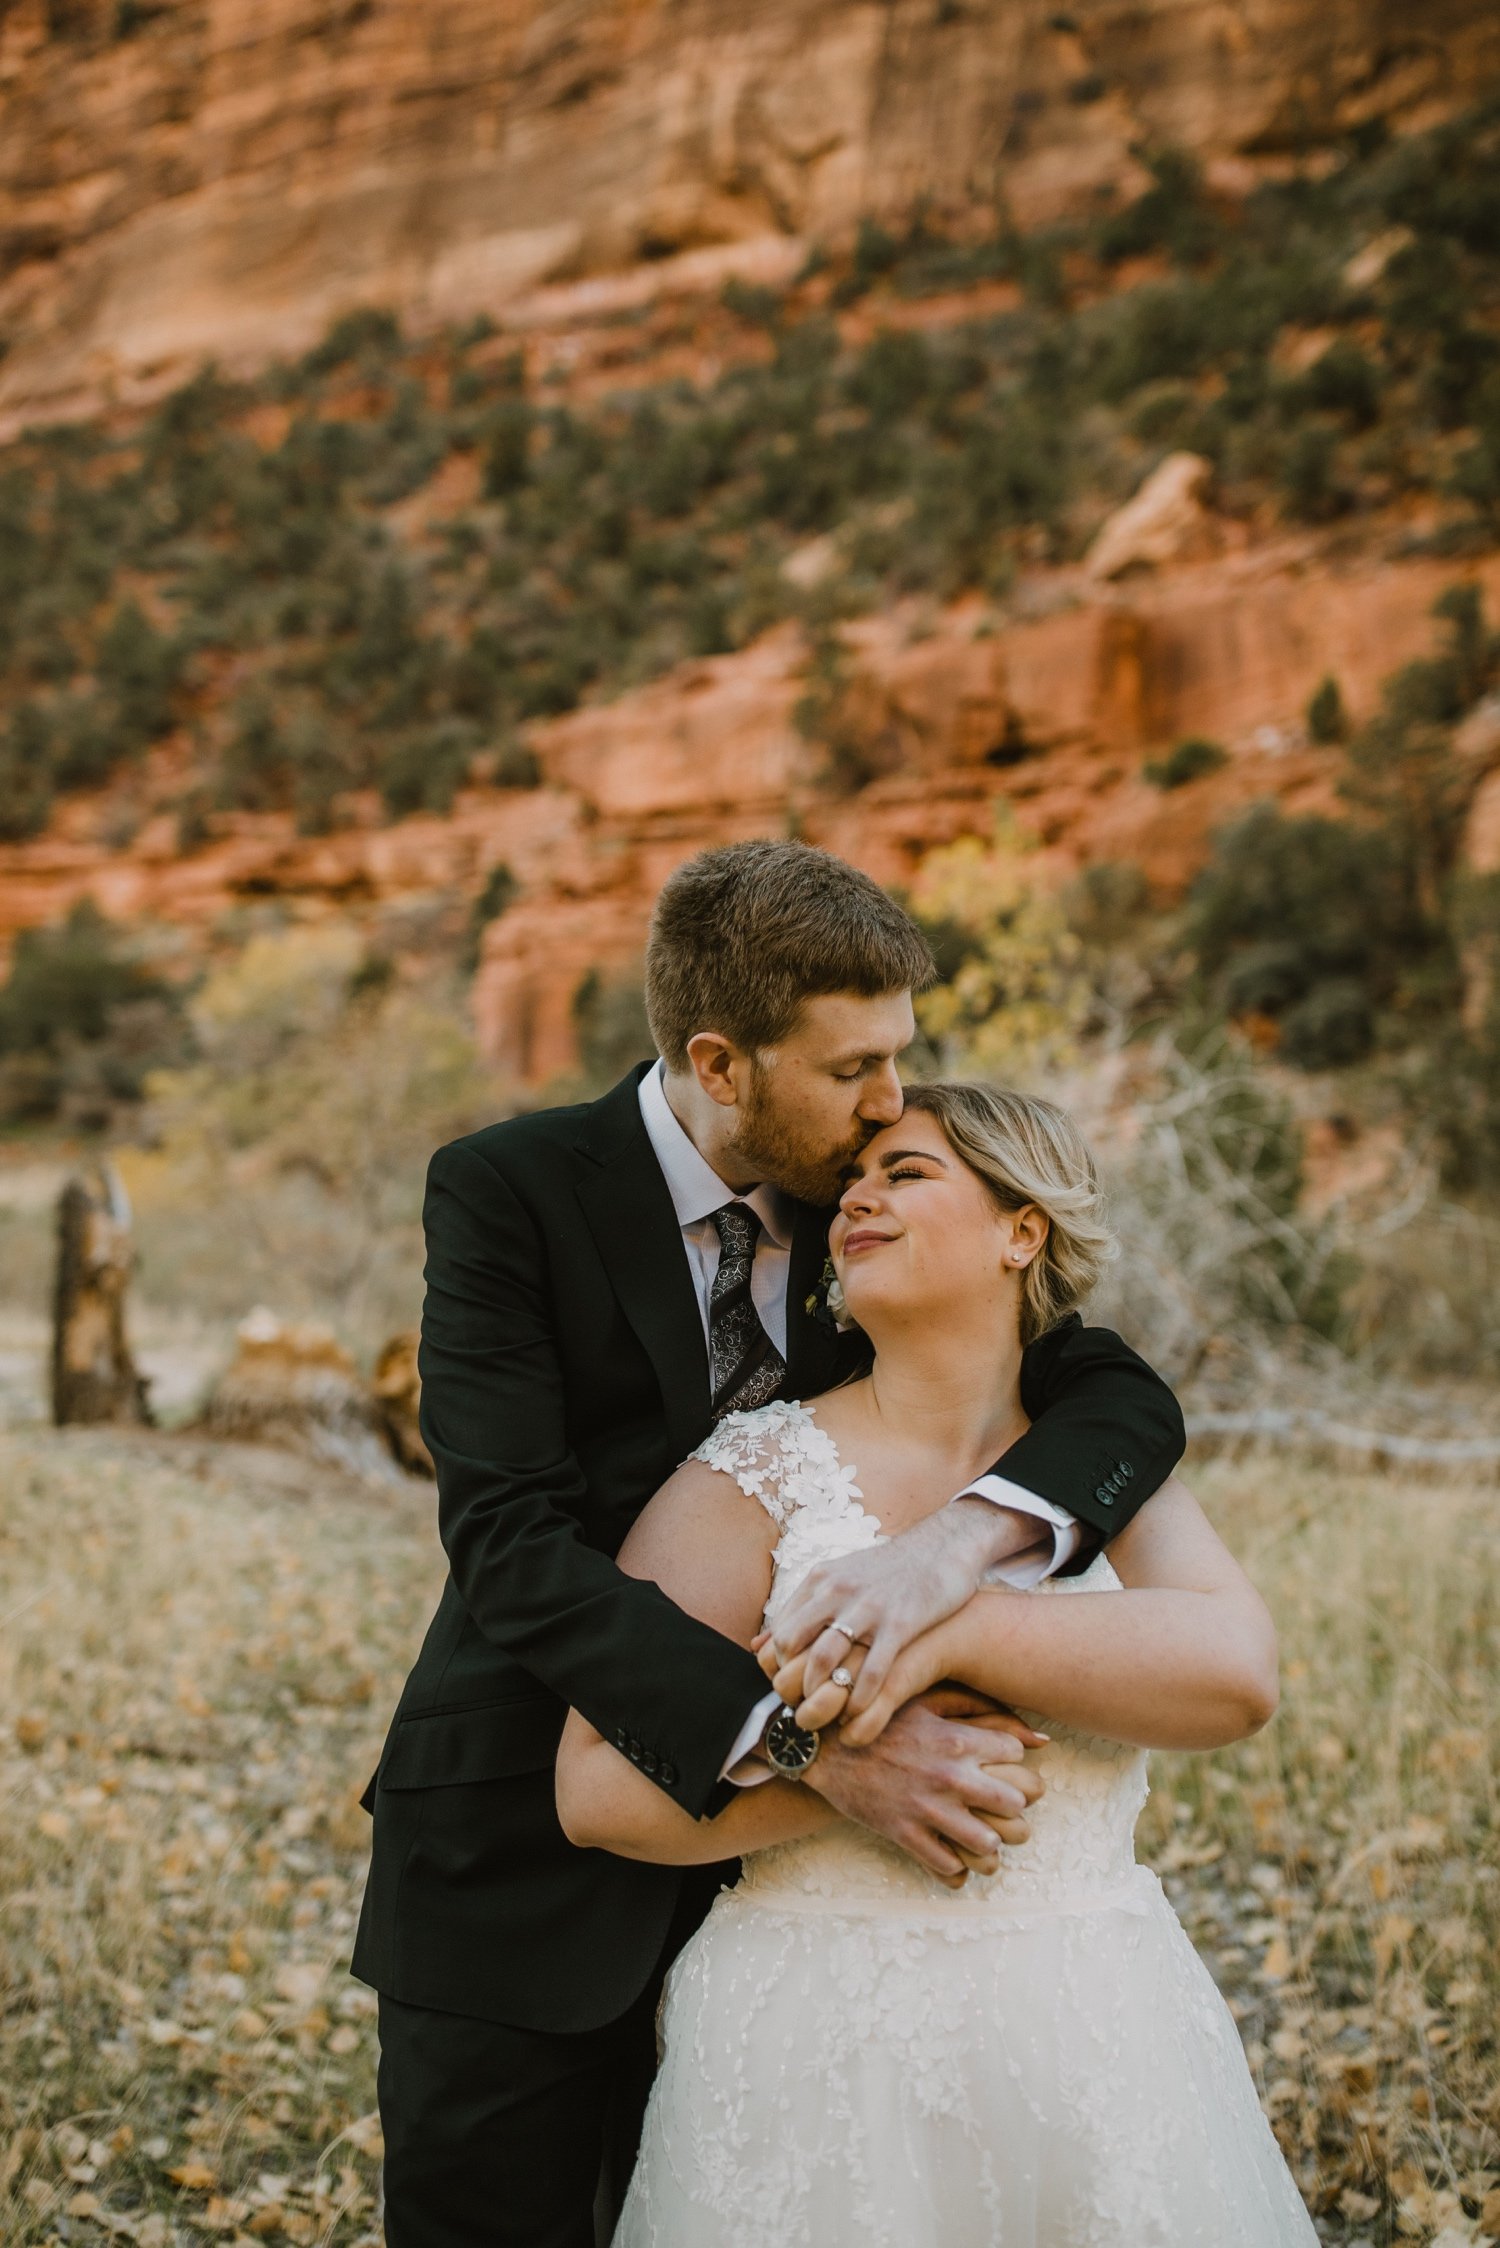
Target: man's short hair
(743,936)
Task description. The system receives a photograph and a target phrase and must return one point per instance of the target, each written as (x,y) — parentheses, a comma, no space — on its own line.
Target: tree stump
(94,1377)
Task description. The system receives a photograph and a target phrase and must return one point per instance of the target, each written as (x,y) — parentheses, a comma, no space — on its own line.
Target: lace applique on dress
(779,1456)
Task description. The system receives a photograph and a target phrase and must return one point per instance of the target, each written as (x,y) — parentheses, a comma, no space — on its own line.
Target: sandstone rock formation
(1166,521)
(211,177)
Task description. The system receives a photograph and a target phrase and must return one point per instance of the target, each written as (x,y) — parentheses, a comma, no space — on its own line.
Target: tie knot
(737,1226)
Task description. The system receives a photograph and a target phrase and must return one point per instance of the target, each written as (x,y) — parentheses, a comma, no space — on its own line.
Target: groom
(603,1283)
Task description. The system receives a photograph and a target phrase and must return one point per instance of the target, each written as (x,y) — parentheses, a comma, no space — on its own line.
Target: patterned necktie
(745,1367)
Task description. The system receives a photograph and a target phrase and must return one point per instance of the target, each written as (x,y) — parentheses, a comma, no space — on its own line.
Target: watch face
(790,1747)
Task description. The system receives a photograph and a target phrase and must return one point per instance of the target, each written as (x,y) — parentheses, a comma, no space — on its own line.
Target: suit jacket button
(1126,1470)
(1105,1497)
(668,1775)
(648,1765)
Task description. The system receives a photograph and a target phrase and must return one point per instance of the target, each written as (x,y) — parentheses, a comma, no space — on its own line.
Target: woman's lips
(854,1242)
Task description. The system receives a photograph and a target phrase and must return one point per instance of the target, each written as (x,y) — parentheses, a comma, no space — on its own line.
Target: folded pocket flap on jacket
(453,1747)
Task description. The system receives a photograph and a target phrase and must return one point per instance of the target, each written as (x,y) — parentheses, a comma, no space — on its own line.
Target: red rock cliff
(184,177)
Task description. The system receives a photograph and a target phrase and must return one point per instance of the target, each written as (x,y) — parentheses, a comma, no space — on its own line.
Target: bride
(1029,2054)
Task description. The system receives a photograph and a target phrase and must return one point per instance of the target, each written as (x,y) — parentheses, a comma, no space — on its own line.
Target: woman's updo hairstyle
(1027,1150)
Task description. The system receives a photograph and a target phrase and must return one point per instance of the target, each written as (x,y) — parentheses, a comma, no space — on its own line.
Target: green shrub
(25,773)
(828,715)
(609,1016)
(1311,922)
(1163,330)
(1309,476)
(424,772)
(1331,1026)
(1401,766)
(876,253)
(1188,761)
(516,766)
(1327,719)
(1475,474)
(507,448)
(1172,215)
(254,770)
(79,1014)
(138,668)
(497,894)
(1347,382)
(368,333)
(1106,902)
(756,305)
(892,375)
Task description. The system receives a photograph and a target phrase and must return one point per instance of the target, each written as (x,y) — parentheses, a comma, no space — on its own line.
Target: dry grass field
(199,1648)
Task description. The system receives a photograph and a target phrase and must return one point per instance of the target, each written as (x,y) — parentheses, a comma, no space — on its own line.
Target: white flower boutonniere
(826,1303)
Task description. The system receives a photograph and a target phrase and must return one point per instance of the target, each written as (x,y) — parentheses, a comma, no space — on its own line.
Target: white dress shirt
(697,1191)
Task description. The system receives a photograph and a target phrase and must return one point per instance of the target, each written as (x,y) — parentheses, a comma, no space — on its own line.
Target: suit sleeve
(640,1670)
(1106,1431)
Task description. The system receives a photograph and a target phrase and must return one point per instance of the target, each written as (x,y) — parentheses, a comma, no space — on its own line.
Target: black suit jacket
(564,1377)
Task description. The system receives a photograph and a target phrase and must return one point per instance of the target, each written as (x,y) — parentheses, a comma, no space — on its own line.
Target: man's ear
(718,1065)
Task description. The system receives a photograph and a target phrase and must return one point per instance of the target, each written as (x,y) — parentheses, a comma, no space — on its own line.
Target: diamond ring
(841,1677)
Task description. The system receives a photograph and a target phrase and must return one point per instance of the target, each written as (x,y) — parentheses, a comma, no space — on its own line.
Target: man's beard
(770,1146)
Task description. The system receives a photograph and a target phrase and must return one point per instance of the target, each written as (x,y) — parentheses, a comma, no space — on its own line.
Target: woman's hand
(820,1704)
(926,1663)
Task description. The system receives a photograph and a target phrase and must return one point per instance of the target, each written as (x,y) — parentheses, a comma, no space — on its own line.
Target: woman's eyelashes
(906,1171)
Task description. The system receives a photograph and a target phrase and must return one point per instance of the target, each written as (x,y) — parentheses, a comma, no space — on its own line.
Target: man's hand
(890,1594)
(945,1781)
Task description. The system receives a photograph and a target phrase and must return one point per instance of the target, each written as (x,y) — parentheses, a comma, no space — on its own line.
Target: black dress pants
(509,2138)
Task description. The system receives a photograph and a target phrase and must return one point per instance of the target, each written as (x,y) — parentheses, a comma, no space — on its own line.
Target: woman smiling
(855,2048)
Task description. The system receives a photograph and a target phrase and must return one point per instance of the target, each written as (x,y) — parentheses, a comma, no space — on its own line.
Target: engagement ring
(841,1677)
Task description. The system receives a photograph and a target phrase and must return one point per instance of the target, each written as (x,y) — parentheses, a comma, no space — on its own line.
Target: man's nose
(883,1099)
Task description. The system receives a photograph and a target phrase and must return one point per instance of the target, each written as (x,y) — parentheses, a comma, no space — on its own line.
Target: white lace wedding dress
(857,2057)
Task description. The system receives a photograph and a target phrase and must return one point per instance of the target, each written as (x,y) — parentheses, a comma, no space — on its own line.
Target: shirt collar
(694,1185)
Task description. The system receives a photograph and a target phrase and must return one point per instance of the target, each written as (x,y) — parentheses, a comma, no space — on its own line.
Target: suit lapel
(812,1345)
(635,1229)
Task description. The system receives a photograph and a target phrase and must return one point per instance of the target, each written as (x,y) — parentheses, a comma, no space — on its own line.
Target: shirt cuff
(1028,1569)
(740,1767)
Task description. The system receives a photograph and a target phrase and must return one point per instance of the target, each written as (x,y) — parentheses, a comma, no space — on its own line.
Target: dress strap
(754,1448)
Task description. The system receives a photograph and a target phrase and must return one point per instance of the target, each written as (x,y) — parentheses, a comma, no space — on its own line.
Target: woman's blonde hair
(1027,1150)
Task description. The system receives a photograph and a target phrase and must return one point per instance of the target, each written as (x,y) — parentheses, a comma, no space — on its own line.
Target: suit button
(1126,1470)
(668,1775)
(1104,1496)
(648,1765)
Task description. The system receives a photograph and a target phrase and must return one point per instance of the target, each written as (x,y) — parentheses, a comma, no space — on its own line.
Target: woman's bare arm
(709,1546)
(1184,1658)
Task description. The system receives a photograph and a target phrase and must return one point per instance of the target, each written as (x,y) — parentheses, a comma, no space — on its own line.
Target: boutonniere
(826,1303)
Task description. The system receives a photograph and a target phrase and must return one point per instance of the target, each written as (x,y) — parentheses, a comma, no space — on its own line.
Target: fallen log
(1291,1429)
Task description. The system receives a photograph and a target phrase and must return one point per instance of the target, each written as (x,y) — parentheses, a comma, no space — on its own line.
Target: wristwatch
(790,1747)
